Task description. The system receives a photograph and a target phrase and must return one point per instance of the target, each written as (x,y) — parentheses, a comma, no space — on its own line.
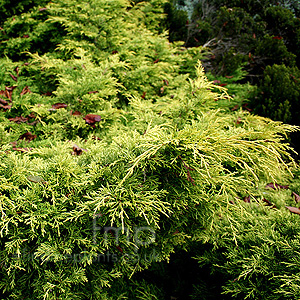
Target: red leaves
(277,37)
(8,92)
(47,94)
(244,106)
(22,149)
(296,196)
(293,210)
(166,82)
(91,119)
(269,203)
(59,105)
(144,95)
(238,120)
(4,104)
(25,90)
(77,150)
(76,113)
(275,186)
(156,61)
(18,120)
(247,199)
(13,77)
(42,9)
(93,92)
(21,119)
(28,136)
(247,108)
(96,138)
(218,82)
(32,115)
(5,107)
(188,169)
(119,248)
(294,78)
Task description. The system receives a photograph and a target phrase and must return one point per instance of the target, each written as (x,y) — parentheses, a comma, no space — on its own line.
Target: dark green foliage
(176,22)
(231,61)
(272,50)
(279,94)
(252,29)
(9,8)
(282,23)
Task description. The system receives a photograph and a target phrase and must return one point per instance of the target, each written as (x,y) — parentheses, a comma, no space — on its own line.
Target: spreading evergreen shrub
(279,92)
(116,154)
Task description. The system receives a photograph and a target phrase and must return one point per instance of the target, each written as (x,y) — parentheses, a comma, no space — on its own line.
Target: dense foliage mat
(117,154)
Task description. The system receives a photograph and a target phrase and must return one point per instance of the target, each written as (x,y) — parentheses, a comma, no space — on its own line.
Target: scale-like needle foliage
(114,154)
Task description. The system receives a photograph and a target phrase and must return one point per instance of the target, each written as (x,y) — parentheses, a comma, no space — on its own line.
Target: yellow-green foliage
(164,156)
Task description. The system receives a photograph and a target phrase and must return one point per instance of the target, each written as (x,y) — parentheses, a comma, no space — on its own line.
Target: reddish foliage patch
(76,113)
(18,120)
(25,90)
(3,102)
(22,149)
(77,150)
(293,210)
(13,77)
(8,92)
(59,105)
(247,199)
(296,196)
(28,136)
(91,119)
(275,186)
